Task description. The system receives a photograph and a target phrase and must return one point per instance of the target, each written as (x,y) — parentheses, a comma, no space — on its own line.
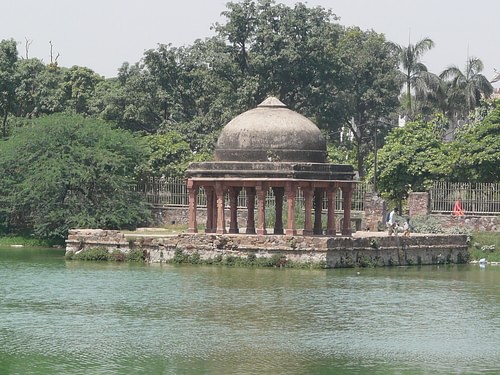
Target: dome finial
(272,102)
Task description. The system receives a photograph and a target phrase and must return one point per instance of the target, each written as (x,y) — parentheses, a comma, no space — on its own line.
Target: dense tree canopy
(64,171)
(475,154)
(415,155)
(411,159)
(466,88)
(8,81)
(372,94)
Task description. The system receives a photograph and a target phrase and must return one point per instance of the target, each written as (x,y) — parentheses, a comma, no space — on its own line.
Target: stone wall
(330,252)
(375,212)
(473,223)
(419,204)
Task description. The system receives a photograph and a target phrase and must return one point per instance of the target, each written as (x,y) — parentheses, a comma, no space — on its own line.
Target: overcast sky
(102,34)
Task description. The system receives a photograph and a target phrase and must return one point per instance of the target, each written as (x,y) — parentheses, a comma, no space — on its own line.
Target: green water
(59,317)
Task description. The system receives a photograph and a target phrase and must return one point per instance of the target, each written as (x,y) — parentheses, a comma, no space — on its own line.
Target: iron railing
(173,192)
(477,198)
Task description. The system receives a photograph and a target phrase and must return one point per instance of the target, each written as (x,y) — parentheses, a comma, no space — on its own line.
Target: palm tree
(467,87)
(414,73)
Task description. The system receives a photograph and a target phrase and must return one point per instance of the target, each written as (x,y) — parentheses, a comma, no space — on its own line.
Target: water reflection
(107,318)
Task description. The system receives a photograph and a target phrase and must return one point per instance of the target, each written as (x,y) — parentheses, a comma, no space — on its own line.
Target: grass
(28,241)
(485,245)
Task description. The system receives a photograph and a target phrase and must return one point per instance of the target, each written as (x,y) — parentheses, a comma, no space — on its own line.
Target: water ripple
(59,318)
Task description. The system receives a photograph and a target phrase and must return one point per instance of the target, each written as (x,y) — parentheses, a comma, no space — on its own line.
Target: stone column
(308,195)
(215,213)
(318,208)
(279,192)
(291,192)
(221,219)
(193,195)
(346,202)
(330,221)
(251,210)
(233,209)
(210,227)
(261,191)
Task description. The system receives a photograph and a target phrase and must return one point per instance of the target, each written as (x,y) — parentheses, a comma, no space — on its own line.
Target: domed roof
(271,132)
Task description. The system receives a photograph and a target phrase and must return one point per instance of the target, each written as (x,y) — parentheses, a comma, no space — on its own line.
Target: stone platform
(362,249)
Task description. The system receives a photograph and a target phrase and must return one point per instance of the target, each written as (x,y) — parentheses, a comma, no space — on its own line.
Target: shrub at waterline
(181,257)
(101,254)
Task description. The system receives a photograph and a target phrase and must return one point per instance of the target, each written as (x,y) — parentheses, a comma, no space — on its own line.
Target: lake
(68,317)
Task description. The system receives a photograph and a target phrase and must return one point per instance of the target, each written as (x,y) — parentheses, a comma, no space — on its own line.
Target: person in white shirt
(391,223)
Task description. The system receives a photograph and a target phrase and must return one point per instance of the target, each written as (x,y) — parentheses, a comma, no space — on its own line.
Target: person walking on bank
(391,223)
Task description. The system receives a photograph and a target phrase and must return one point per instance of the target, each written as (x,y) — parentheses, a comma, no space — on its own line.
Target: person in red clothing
(458,210)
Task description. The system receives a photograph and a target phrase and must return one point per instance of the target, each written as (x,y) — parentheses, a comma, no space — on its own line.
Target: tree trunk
(359,158)
(4,125)
(408,94)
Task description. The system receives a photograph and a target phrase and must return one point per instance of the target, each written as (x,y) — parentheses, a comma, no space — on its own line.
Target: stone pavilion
(271,147)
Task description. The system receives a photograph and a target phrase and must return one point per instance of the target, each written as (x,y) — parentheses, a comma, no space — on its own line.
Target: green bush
(135,255)
(117,256)
(179,257)
(94,254)
(426,224)
(251,259)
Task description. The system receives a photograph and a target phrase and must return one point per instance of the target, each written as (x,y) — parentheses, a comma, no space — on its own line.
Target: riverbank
(363,249)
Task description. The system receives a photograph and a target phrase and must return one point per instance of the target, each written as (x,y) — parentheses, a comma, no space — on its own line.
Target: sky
(103,34)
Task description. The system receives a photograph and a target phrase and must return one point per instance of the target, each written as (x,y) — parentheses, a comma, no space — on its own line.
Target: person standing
(391,223)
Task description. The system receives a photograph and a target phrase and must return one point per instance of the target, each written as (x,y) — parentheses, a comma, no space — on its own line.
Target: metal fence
(173,193)
(477,198)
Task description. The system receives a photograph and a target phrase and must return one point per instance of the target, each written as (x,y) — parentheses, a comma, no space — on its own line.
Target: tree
(475,153)
(8,80)
(411,158)
(79,85)
(28,100)
(169,155)
(286,52)
(65,171)
(467,87)
(372,70)
(315,66)
(239,31)
(134,100)
(414,73)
